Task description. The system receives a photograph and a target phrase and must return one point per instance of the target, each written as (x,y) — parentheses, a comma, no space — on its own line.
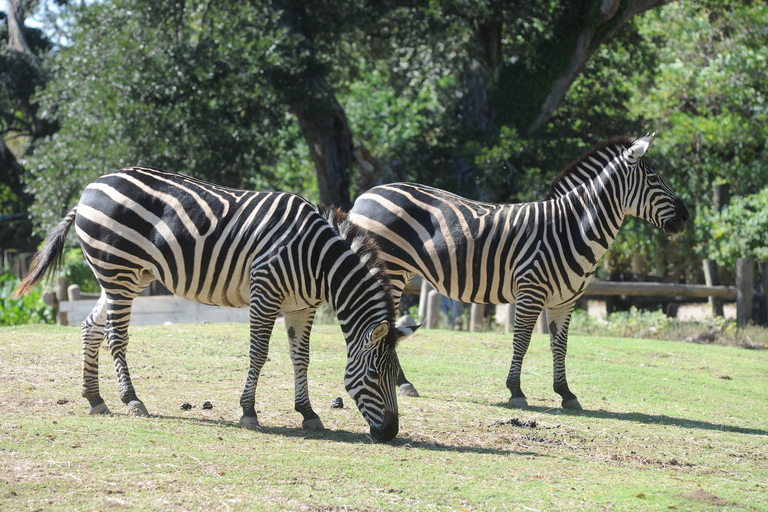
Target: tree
(23,52)
(141,84)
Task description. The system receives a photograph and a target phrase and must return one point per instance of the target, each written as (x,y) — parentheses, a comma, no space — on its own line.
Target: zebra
(268,251)
(540,255)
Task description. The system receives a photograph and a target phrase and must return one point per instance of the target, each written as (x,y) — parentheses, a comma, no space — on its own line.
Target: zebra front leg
(526,314)
(559,321)
(118,318)
(92,335)
(398,282)
(262,318)
(404,387)
(298,325)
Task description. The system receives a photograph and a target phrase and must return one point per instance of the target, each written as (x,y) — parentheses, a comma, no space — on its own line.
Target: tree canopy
(327,98)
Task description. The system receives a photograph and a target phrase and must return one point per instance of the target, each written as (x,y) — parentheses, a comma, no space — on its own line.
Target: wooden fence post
(763,268)
(74,293)
(542,326)
(721,195)
(509,322)
(476,317)
(61,296)
(745,277)
(423,296)
(433,309)
(712,278)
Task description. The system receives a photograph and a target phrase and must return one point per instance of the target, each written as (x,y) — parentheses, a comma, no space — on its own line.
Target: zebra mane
(368,251)
(576,172)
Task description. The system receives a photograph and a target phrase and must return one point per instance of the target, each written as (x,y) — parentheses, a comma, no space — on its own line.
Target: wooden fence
(742,294)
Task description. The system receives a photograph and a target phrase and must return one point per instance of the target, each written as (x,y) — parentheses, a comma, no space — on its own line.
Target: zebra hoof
(249,423)
(407,389)
(136,408)
(313,424)
(99,409)
(572,404)
(518,403)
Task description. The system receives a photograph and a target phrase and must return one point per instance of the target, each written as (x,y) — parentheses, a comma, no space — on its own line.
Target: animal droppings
(185,406)
(207,405)
(337,403)
(515,423)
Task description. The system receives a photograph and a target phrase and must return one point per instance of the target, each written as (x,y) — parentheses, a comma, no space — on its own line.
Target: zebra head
(648,196)
(370,379)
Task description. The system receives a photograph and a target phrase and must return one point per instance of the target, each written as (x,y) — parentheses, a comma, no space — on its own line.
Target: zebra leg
(526,315)
(298,324)
(118,318)
(398,281)
(92,335)
(262,316)
(559,321)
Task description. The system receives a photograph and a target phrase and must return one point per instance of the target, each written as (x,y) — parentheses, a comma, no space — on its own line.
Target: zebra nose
(389,427)
(682,210)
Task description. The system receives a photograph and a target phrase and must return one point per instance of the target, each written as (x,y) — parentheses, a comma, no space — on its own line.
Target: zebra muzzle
(388,429)
(676,224)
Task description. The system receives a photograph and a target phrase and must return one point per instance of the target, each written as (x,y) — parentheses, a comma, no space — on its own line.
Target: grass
(666,426)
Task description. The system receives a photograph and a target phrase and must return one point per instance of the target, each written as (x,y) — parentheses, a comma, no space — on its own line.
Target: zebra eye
(653,179)
(373,373)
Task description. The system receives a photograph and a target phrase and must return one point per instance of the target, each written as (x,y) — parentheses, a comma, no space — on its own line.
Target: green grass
(666,426)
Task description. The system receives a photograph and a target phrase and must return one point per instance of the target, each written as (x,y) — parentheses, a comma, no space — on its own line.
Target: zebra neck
(600,212)
(356,296)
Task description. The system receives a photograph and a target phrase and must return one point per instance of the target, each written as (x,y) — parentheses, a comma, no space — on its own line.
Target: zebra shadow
(345,436)
(638,417)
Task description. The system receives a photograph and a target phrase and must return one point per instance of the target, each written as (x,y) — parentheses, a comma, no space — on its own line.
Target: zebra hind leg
(559,321)
(298,325)
(118,318)
(92,334)
(526,314)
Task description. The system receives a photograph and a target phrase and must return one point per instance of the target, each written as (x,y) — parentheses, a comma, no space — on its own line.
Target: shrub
(740,230)
(29,309)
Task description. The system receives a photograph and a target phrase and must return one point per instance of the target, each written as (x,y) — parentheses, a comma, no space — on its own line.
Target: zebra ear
(640,147)
(378,332)
(404,331)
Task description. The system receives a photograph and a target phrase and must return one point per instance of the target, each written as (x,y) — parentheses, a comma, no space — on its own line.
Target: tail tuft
(49,258)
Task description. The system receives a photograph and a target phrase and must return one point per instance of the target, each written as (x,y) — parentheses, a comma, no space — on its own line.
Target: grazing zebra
(540,255)
(268,251)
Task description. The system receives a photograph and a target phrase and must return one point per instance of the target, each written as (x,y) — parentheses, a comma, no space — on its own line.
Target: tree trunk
(326,130)
(11,172)
(17,40)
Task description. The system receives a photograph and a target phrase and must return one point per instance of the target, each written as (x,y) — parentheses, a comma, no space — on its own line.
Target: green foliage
(740,230)
(29,309)
(707,97)
(696,75)
(161,84)
(625,324)
(77,271)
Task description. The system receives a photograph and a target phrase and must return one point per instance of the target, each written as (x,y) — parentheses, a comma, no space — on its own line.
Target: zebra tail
(49,258)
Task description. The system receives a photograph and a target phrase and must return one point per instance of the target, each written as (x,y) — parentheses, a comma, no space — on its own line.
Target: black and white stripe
(540,255)
(268,251)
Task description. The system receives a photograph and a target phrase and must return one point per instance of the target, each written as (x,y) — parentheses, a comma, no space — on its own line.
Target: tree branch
(588,41)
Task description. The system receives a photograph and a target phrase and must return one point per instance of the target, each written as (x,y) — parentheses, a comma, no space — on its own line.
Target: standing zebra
(268,251)
(540,255)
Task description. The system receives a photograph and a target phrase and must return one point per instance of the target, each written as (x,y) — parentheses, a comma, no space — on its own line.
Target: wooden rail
(668,289)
